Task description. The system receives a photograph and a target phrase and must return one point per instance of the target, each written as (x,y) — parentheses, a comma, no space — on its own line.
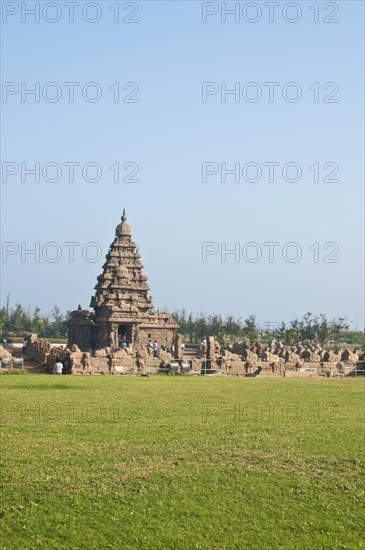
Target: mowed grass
(181,463)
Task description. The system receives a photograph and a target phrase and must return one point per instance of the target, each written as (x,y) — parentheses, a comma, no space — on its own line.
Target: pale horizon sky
(168,134)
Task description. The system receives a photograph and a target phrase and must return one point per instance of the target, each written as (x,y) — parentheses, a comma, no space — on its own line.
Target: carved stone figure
(85,361)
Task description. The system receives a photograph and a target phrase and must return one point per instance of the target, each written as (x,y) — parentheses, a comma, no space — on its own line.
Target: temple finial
(124,217)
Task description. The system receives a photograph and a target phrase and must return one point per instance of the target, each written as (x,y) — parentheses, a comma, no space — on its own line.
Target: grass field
(181,463)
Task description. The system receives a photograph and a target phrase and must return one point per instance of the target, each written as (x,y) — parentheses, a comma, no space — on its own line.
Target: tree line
(18,321)
(309,328)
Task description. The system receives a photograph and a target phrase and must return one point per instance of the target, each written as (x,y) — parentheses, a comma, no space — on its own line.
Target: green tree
(312,328)
(224,338)
(233,327)
(190,328)
(37,322)
(250,328)
(201,327)
(19,321)
(59,325)
(288,334)
(3,320)
(214,324)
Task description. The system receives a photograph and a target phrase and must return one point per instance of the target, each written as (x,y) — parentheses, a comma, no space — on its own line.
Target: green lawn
(181,463)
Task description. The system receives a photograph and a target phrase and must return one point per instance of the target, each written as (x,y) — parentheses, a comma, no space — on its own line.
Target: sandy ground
(29,365)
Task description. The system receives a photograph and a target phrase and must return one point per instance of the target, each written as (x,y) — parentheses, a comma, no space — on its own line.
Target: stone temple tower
(122,304)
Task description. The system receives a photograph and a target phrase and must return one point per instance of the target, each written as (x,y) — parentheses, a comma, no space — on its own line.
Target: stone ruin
(113,338)
(276,359)
(241,359)
(4,353)
(38,349)
(123,309)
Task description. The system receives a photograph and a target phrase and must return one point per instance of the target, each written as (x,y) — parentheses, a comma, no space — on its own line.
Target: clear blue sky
(169,133)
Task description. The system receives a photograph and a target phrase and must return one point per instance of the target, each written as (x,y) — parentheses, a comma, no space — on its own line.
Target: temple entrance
(124,334)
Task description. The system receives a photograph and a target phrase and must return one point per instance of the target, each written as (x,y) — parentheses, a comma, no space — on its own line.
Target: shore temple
(123,308)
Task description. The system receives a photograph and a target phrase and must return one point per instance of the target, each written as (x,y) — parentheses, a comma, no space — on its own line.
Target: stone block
(308,371)
(122,369)
(290,373)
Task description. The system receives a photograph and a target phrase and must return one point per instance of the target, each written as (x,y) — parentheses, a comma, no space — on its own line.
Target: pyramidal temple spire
(122,303)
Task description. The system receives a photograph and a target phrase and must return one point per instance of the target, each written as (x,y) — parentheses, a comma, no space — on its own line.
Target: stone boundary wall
(309,363)
(37,349)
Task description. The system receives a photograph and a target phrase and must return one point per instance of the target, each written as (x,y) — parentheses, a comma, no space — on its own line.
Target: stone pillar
(210,362)
(178,342)
(210,347)
(114,335)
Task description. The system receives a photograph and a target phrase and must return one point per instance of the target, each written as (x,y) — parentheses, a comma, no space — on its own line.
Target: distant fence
(351,368)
